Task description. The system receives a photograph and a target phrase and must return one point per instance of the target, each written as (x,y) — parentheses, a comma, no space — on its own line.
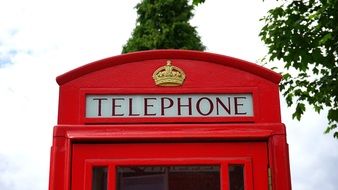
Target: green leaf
(335,135)
(324,39)
(333,115)
(289,99)
(330,128)
(286,76)
(197,2)
(315,70)
(299,111)
(318,108)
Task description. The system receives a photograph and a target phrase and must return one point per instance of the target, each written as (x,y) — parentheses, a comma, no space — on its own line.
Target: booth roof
(170,54)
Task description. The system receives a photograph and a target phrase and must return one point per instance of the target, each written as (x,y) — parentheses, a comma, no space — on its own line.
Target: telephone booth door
(170,166)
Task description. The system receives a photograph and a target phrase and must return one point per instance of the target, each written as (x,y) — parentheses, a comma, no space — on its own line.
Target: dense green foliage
(164,24)
(304,35)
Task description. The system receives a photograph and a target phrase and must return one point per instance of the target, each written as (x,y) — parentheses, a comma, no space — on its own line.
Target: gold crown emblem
(169,75)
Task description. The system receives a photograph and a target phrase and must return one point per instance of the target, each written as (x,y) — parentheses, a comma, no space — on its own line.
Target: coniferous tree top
(164,24)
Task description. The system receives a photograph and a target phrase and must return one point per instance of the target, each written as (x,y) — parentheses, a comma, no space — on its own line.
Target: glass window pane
(99,180)
(168,178)
(236,175)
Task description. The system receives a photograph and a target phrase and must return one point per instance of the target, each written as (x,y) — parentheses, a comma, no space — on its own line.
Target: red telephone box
(169,120)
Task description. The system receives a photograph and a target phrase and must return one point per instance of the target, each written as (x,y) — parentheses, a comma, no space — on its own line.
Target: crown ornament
(169,75)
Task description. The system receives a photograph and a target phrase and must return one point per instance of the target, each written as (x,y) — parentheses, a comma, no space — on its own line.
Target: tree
(164,24)
(304,35)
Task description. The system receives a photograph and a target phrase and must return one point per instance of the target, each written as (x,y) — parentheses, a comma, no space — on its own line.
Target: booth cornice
(170,54)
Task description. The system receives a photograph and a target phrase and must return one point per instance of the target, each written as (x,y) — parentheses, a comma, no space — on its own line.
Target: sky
(41,39)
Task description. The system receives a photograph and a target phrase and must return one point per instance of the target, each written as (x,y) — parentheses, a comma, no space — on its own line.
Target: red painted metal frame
(206,73)
(172,54)
(273,134)
(223,162)
(176,153)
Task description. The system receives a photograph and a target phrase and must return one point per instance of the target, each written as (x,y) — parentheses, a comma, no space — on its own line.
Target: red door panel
(156,165)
